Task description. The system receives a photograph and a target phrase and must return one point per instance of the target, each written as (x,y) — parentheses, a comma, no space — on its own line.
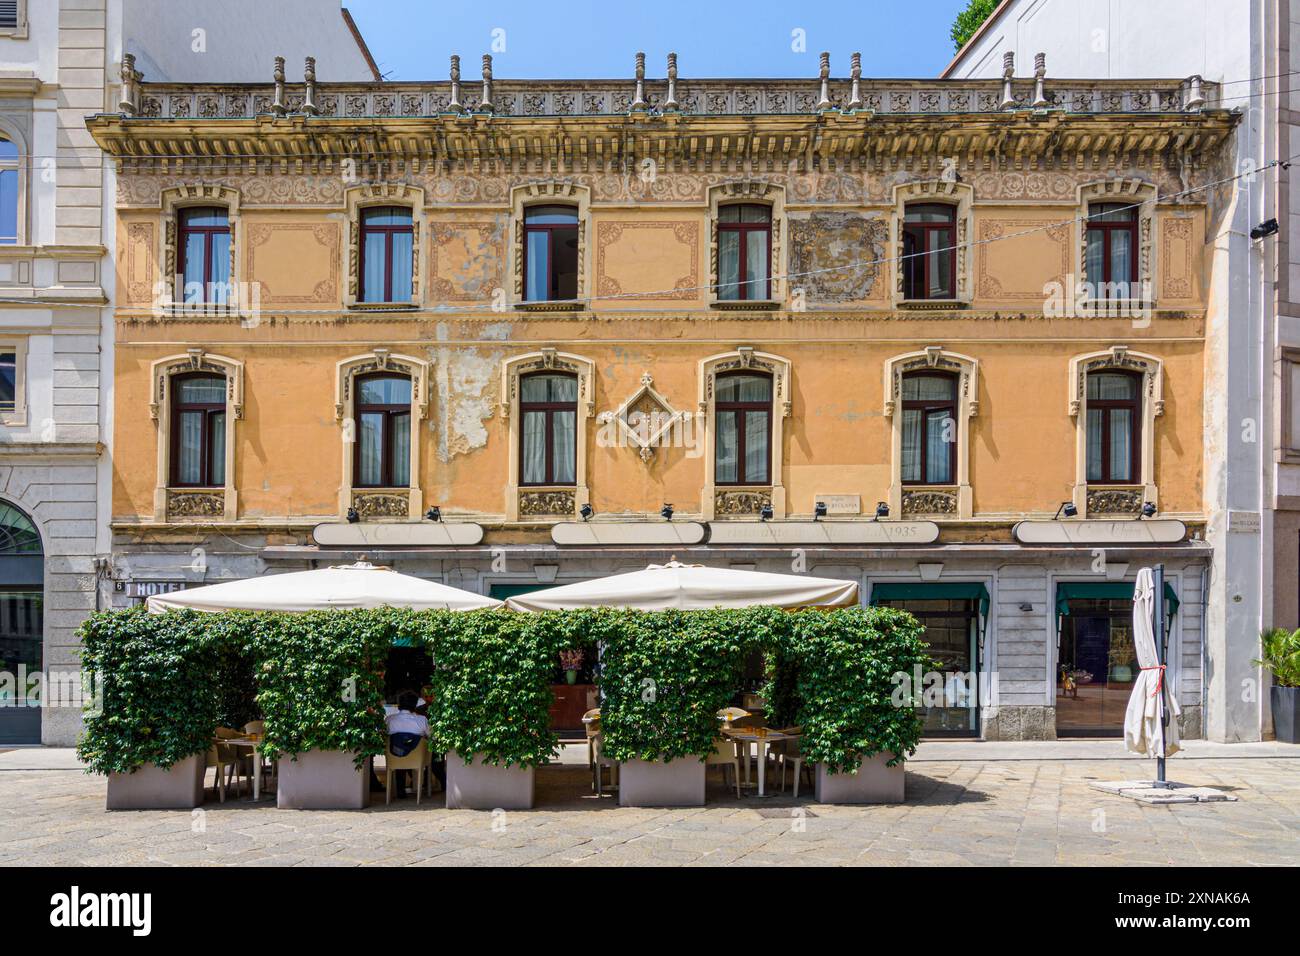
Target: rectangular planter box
(480,786)
(322,780)
(1285,702)
(677,783)
(180,787)
(873,783)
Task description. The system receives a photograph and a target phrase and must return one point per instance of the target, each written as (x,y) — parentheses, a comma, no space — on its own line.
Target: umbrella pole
(1161,716)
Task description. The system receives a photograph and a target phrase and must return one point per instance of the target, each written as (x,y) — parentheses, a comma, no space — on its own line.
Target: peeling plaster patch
(467,383)
(837,241)
(497,331)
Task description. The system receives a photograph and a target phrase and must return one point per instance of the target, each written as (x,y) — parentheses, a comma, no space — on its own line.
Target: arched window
(203,253)
(548,409)
(550,253)
(1111,252)
(387,254)
(929,245)
(929,401)
(744,251)
(17,533)
(198,419)
(742,448)
(10,184)
(1114,422)
(383,418)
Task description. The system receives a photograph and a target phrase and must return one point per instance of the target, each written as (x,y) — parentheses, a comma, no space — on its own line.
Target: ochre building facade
(520,333)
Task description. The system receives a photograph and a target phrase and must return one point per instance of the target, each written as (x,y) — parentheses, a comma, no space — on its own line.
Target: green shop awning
(1104,591)
(936,591)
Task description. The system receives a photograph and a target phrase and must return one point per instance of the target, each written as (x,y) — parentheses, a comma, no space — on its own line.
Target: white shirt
(405,722)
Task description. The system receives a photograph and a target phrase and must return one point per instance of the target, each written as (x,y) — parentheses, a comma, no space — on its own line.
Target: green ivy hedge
(157,680)
(317,680)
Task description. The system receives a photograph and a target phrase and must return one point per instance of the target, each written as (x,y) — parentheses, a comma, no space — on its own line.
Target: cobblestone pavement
(958,812)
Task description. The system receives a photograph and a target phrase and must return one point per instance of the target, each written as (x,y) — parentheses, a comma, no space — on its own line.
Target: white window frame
(16,417)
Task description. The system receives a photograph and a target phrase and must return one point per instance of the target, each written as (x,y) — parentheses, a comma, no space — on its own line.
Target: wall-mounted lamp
(819,510)
(1068,507)
(1265,229)
(586,511)
(666,512)
(765,513)
(434,513)
(1148,509)
(882,511)
(353,517)
(1026,606)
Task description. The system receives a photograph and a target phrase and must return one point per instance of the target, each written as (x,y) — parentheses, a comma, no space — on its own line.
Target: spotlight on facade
(1265,229)
(882,510)
(586,511)
(1148,509)
(819,510)
(666,512)
(765,513)
(353,517)
(434,513)
(1068,508)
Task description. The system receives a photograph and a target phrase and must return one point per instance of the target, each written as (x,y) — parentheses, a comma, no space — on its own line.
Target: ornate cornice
(586,126)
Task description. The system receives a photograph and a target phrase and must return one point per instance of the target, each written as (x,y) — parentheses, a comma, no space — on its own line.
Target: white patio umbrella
(691,587)
(347,586)
(1143,727)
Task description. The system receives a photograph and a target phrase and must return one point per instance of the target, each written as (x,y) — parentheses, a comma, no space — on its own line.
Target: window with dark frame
(548,419)
(382,450)
(8,379)
(930,251)
(744,252)
(386,254)
(550,253)
(929,447)
(742,409)
(198,431)
(1111,253)
(10,183)
(1113,448)
(8,14)
(203,254)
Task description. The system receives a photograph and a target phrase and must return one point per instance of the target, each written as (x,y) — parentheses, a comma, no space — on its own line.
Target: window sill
(557,305)
(745,305)
(932,304)
(384,306)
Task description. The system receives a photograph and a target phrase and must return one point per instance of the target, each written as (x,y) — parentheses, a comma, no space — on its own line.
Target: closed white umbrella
(359,585)
(692,587)
(1144,732)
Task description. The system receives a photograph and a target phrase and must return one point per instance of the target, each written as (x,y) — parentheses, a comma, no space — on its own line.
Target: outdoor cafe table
(762,736)
(251,744)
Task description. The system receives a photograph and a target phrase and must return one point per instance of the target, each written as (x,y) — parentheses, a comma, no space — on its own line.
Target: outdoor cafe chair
(601,761)
(726,753)
(417,761)
(259,727)
(225,759)
(789,750)
(591,724)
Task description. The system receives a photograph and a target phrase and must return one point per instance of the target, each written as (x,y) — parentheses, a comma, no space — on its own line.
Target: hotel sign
(1092,531)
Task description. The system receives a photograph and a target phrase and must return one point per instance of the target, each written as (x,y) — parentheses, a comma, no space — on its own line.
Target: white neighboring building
(60,61)
(1252,405)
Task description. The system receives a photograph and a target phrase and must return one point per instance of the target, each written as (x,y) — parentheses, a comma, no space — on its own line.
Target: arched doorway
(22,627)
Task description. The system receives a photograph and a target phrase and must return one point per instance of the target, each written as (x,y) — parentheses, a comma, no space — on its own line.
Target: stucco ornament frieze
(644,419)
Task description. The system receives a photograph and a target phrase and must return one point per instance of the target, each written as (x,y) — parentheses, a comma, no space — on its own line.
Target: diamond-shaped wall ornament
(644,418)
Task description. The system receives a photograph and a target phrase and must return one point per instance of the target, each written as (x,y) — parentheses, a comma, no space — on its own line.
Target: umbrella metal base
(1153,791)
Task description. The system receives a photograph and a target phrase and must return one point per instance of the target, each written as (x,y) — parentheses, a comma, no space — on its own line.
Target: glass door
(1096,667)
(21,644)
(951,708)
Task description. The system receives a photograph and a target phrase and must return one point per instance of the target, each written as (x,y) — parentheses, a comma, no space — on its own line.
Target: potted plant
(857,665)
(1281,655)
(149,735)
(321,695)
(571,660)
(489,704)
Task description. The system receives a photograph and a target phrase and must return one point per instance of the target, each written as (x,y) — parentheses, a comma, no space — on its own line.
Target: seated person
(405,730)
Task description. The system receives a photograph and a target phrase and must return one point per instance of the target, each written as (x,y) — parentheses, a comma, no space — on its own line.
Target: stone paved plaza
(1024,809)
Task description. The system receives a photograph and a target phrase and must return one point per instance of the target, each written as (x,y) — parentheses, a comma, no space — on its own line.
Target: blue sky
(412,39)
